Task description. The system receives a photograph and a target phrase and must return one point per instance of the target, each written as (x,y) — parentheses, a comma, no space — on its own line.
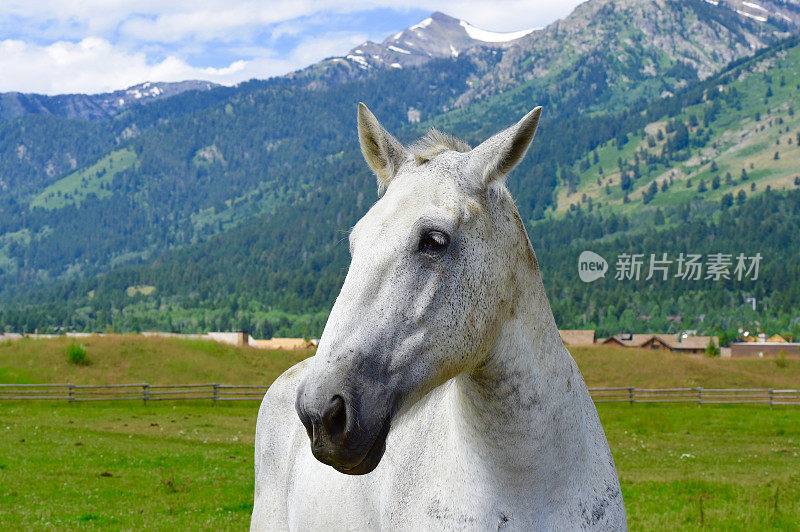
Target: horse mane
(435,142)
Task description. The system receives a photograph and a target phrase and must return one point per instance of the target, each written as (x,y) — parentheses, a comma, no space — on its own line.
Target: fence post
(771,397)
(144,392)
(630,395)
(69,392)
(699,397)
(215,393)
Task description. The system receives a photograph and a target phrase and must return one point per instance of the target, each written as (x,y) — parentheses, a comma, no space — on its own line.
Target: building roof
(577,337)
(690,342)
(670,340)
(628,339)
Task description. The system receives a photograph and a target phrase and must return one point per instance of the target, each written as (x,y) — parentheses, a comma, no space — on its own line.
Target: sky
(94,46)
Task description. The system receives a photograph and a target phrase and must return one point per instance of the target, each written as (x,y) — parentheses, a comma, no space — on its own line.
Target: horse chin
(373,456)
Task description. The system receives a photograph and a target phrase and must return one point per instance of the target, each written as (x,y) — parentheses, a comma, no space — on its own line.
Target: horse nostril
(334,419)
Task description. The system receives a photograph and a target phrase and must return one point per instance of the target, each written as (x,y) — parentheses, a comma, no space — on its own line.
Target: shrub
(76,354)
(711,349)
(780,361)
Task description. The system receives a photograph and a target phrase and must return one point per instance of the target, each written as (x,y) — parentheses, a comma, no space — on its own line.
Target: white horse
(441,396)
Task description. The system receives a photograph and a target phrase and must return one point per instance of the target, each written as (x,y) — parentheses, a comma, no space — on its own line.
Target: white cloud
(156,19)
(217,21)
(92,65)
(502,15)
(312,50)
(95,65)
(59,46)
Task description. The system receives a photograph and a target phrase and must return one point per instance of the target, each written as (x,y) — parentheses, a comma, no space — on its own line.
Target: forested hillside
(733,135)
(237,280)
(226,208)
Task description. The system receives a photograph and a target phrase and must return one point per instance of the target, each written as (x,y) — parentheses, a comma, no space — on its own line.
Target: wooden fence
(222,392)
(132,392)
(700,396)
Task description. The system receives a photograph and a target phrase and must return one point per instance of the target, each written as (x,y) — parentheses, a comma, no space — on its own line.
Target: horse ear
(498,155)
(384,153)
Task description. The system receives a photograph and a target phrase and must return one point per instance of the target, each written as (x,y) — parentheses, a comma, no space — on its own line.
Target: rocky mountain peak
(713,32)
(437,36)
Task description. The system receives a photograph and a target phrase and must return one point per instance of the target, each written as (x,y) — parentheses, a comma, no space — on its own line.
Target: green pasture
(190,465)
(74,188)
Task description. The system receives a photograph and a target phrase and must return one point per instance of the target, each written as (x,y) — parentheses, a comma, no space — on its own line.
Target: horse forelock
(434,143)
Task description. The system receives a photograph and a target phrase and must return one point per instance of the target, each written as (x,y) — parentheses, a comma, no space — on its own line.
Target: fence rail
(214,392)
(700,396)
(144,392)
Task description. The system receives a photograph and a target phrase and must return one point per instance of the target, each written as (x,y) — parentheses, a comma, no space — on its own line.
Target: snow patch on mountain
(424,24)
(755,6)
(359,60)
(754,17)
(492,36)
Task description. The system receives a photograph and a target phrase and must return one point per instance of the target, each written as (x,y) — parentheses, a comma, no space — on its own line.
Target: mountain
(763,11)
(734,135)
(438,36)
(642,49)
(225,207)
(93,106)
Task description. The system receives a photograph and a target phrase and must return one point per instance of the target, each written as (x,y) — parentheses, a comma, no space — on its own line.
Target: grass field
(74,188)
(190,465)
(120,359)
(647,368)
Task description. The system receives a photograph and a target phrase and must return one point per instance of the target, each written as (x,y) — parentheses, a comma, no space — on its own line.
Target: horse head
(429,285)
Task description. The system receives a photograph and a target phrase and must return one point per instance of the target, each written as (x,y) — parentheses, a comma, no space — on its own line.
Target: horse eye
(433,242)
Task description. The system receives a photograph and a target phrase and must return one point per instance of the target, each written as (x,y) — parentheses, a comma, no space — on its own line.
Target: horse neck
(526,407)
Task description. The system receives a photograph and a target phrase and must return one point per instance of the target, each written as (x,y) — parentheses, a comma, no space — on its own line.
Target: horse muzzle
(341,435)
